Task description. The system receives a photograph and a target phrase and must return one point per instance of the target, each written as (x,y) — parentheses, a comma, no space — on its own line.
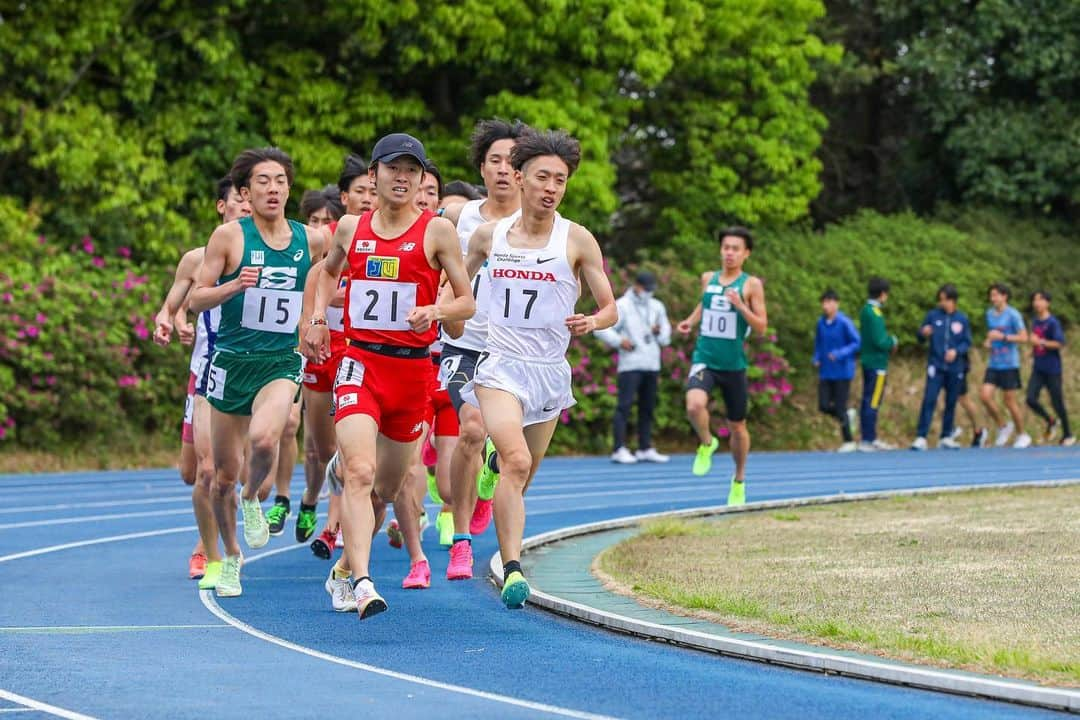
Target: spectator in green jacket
(877,344)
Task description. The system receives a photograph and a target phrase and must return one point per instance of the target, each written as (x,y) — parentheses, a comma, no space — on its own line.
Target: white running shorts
(542,387)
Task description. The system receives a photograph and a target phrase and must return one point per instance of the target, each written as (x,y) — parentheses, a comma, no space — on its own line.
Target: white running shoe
(651,455)
(882,445)
(867,447)
(847,447)
(1023,440)
(957,432)
(623,456)
(256,529)
(1069,441)
(333,480)
(339,542)
(949,443)
(853,420)
(341,595)
(919,444)
(368,601)
(228,584)
(1004,433)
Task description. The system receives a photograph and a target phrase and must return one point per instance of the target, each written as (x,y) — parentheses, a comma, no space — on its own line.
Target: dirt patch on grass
(986,580)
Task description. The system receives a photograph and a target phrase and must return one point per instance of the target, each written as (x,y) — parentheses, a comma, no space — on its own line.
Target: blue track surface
(115,629)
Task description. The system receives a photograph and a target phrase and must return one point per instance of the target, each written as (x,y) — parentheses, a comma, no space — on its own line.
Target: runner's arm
(753,307)
(479,249)
(694,318)
(591,267)
(171,307)
(207,293)
(447,252)
(317,338)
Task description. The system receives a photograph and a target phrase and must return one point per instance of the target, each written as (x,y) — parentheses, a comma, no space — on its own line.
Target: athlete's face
(543,183)
(829,307)
(449,200)
(496,171)
(398,181)
(361,196)
(267,190)
(428,197)
(734,252)
(946,304)
(998,299)
(319,218)
(233,207)
(1040,304)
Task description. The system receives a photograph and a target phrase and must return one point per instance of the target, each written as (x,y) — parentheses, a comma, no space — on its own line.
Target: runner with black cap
(395,257)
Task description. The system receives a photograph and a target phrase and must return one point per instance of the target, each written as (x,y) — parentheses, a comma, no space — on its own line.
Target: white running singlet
(532,292)
(206,327)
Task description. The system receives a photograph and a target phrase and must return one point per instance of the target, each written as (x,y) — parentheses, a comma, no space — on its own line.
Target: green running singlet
(723,328)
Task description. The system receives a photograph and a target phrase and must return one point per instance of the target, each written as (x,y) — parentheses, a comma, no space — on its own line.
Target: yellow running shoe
(737,493)
(515,591)
(703,459)
(210,577)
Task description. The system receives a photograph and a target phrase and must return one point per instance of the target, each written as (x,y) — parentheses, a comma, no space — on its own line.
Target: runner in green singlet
(255,270)
(732,304)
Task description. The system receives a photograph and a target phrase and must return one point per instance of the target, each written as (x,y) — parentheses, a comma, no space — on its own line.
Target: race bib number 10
(718,324)
(276,311)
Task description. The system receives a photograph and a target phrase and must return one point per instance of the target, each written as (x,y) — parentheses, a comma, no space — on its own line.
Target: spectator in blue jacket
(949,334)
(836,343)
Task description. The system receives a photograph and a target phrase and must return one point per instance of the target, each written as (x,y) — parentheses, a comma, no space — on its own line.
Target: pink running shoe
(481,517)
(460,567)
(419,576)
(428,456)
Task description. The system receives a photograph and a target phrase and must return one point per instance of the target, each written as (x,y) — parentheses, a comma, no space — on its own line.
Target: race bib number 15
(276,311)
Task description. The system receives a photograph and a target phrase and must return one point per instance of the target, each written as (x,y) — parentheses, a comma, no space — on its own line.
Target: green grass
(984,581)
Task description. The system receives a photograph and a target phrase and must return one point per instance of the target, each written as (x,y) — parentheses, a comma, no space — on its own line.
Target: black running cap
(646,280)
(391,147)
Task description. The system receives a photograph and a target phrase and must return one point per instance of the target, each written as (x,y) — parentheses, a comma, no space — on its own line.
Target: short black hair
(353,168)
(829,294)
(1000,287)
(247,160)
(541,144)
(488,132)
(224,187)
(433,169)
(315,200)
(949,291)
(462,188)
(736,231)
(876,287)
(1044,293)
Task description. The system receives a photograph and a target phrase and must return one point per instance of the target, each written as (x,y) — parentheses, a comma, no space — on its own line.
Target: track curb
(816,659)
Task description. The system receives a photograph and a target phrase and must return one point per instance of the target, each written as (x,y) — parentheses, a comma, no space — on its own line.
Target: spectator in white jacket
(641,331)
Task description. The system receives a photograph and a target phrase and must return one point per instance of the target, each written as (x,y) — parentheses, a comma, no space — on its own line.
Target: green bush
(78,365)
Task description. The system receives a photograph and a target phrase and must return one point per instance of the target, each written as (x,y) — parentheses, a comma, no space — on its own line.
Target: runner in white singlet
(522,381)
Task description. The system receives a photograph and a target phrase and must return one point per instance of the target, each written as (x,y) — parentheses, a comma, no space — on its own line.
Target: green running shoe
(703,459)
(488,478)
(515,591)
(276,516)
(228,583)
(209,579)
(444,523)
(305,523)
(737,493)
(433,489)
(256,530)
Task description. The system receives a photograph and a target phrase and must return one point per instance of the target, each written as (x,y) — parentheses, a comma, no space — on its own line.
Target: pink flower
(612,389)
(88,245)
(99,262)
(127,380)
(50,380)
(3,433)
(8,297)
(32,331)
(41,239)
(141,332)
(10,422)
(723,432)
(124,252)
(564,417)
(47,356)
(41,318)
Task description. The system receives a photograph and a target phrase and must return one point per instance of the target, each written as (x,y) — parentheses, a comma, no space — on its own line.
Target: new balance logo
(407,247)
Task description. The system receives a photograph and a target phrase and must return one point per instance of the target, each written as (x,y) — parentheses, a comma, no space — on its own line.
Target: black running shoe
(277,515)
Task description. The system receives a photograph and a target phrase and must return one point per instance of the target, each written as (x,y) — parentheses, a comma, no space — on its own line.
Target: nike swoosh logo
(549,409)
(541,261)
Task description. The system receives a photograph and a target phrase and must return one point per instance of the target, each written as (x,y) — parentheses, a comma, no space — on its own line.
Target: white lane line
(211,604)
(79,629)
(95,541)
(33,704)
(17,710)
(107,503)
(95,518)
